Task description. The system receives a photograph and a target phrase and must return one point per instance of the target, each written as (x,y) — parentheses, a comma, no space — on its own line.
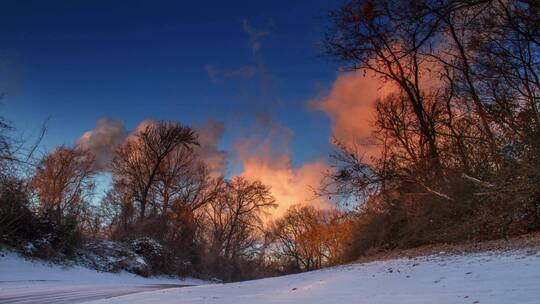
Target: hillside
(493,277)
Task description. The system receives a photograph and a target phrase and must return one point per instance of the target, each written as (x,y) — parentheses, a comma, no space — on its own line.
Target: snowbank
(18,272)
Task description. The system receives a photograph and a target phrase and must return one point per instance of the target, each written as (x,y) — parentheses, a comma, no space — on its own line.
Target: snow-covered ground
(17,272)
(26,281)
(491,278)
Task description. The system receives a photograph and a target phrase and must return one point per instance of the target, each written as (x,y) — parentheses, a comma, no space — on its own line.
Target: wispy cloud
(255,36)
(256,69)
(217,75)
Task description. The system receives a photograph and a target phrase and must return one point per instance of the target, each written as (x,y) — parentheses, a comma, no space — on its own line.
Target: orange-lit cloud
(350,104)
(288,185)
(266,158)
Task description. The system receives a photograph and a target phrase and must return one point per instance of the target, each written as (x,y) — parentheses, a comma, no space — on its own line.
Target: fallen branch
(432,191)
(477,181)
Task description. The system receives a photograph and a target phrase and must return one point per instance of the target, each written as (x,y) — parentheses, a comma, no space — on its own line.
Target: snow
(17,272)
(490,277)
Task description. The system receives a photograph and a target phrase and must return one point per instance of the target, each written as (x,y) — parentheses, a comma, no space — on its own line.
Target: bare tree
(307,238)
(460,134)
(235,224)
(63,181)
(388,38)
(136,164)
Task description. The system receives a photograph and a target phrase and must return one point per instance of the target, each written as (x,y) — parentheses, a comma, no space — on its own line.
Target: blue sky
(75,62)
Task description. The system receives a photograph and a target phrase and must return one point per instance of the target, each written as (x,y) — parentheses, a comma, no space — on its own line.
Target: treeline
(459,141)
(205,225)
(459,136)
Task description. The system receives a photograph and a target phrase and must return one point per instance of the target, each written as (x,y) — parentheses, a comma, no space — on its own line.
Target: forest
(457,135)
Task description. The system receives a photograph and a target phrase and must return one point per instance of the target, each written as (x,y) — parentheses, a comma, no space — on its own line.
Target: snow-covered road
(73,293)
(26,281)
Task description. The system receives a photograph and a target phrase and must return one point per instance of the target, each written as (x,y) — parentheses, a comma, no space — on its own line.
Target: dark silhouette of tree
(137,162)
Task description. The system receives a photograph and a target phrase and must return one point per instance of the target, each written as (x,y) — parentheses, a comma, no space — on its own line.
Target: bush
(55,240)
(401,219)
(16,219)
(37,236)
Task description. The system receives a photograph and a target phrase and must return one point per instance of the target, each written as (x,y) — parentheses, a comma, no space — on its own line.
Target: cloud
(288,184)
(350,104)
(265,157)
(103,139)
(255,36)
(210,134)
(256,67)
(108,134)
(217,75)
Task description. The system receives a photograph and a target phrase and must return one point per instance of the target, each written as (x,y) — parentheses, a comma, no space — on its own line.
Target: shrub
(38,236)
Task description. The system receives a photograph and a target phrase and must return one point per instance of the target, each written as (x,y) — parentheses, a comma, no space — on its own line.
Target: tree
(63,181)
(183,185)
(234,223)
(387,38)
(6,147)
(306,238)
(137,162)
(459,134)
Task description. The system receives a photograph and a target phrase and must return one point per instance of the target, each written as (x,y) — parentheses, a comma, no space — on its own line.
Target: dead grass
(530,242)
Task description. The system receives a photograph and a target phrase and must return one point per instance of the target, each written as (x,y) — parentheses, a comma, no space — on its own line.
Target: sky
(248,74)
